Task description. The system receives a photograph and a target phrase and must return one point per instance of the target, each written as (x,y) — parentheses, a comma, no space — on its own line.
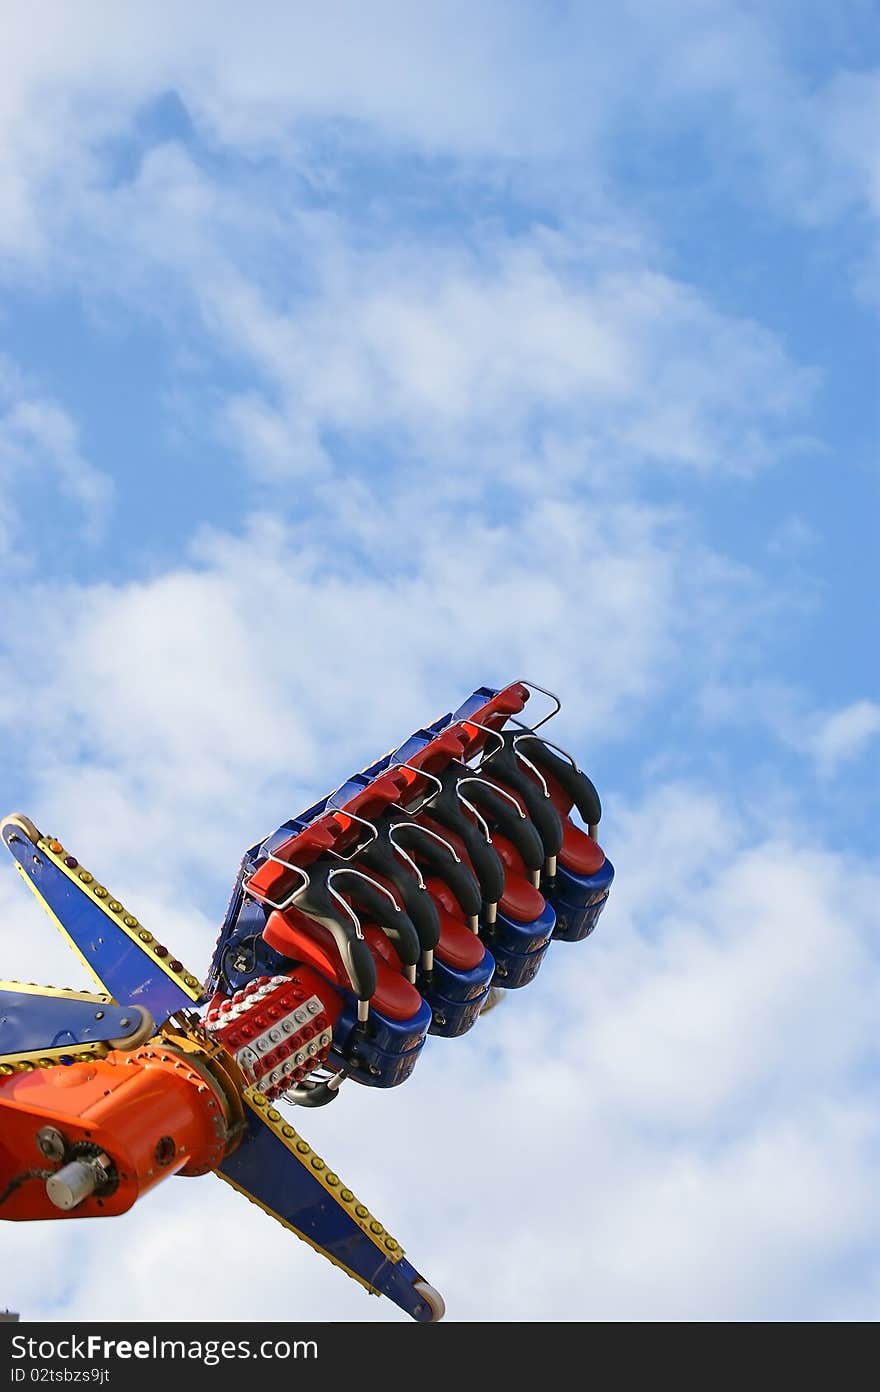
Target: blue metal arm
(43,1024)
(277,1170)
(123,957)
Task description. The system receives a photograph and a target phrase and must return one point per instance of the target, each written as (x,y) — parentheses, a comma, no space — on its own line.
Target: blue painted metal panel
(515,969)
(385,1052)
(579,900)
(453,1018)
(30,1022)
(264,1168)
(405,751)
(519,948)
(125,969)
(457,997)
(474,702)
(459,986)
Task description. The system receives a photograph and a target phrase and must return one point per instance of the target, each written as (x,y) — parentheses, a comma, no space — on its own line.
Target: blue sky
(350,361)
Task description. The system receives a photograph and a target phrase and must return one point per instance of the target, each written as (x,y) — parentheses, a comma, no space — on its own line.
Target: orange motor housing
(153,1112)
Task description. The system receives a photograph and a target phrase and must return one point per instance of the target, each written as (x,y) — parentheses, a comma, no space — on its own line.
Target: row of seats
(439,872)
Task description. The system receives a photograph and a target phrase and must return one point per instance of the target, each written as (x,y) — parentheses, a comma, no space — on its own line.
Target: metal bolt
(51,1143)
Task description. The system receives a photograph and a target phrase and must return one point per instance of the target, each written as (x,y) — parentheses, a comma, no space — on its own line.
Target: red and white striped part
(276,1034)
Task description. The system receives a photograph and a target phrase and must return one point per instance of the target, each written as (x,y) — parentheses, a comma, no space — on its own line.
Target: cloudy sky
(355,356)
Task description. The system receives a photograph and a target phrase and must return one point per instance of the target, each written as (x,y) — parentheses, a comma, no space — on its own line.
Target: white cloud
(217,689)
(503,91)
(844,734)
(40,453)
(829,739)
(456,353)
(793,539)
(519,348)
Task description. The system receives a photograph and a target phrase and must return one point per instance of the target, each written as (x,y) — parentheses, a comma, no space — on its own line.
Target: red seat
(294,934)
(395,996)
(380,946)
(580,853)
(510,856)
(458,947)
(520,900)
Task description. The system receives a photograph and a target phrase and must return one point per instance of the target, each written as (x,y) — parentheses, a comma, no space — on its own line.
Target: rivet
(273,1115)
(100,892)
(391,1244)
(361,1211)
(303,1147)
(259,1100)
(376,1227)
(317,1162)
(288,1131)
(332,1179)
(115,906)
(86,877)
(346,1194)
(130,921)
